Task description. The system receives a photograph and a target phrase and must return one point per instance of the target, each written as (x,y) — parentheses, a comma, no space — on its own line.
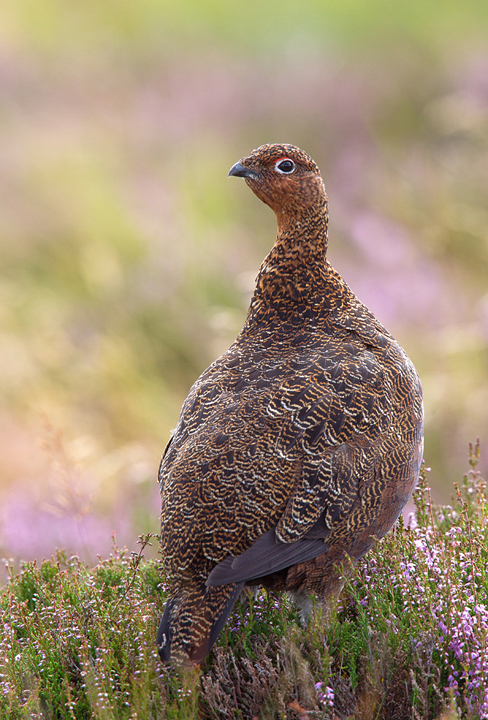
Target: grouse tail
(192,621)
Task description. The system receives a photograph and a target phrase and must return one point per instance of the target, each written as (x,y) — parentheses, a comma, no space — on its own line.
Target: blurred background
(128,258)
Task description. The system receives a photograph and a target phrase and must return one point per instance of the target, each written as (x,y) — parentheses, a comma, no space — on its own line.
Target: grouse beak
(239,170)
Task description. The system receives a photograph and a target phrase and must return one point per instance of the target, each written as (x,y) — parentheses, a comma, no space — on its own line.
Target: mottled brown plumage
(299,445)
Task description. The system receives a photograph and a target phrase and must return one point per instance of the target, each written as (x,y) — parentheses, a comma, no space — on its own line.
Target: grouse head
(285,178)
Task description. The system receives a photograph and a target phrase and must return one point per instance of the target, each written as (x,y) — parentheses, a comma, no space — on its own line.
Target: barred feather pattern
(309,426)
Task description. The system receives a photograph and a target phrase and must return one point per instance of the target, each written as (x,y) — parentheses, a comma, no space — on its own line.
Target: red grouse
(297,447)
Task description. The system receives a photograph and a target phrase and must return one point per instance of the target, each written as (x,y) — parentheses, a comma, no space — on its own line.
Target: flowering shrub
(424,590)
(408,637)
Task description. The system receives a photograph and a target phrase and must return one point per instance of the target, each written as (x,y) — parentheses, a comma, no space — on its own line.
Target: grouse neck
(302,238)
(295,272)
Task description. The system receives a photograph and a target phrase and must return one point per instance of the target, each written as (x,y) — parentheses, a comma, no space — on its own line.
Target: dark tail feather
(163,639)
(192,622)
(219,622)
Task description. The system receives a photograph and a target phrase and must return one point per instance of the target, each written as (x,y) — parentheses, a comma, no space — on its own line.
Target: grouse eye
(285,166)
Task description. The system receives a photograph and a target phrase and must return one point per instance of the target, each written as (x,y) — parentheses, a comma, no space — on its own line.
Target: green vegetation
(127,257)
(408,638)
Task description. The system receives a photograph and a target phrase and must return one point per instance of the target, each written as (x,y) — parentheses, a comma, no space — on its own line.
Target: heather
(127,257)
(407,637)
